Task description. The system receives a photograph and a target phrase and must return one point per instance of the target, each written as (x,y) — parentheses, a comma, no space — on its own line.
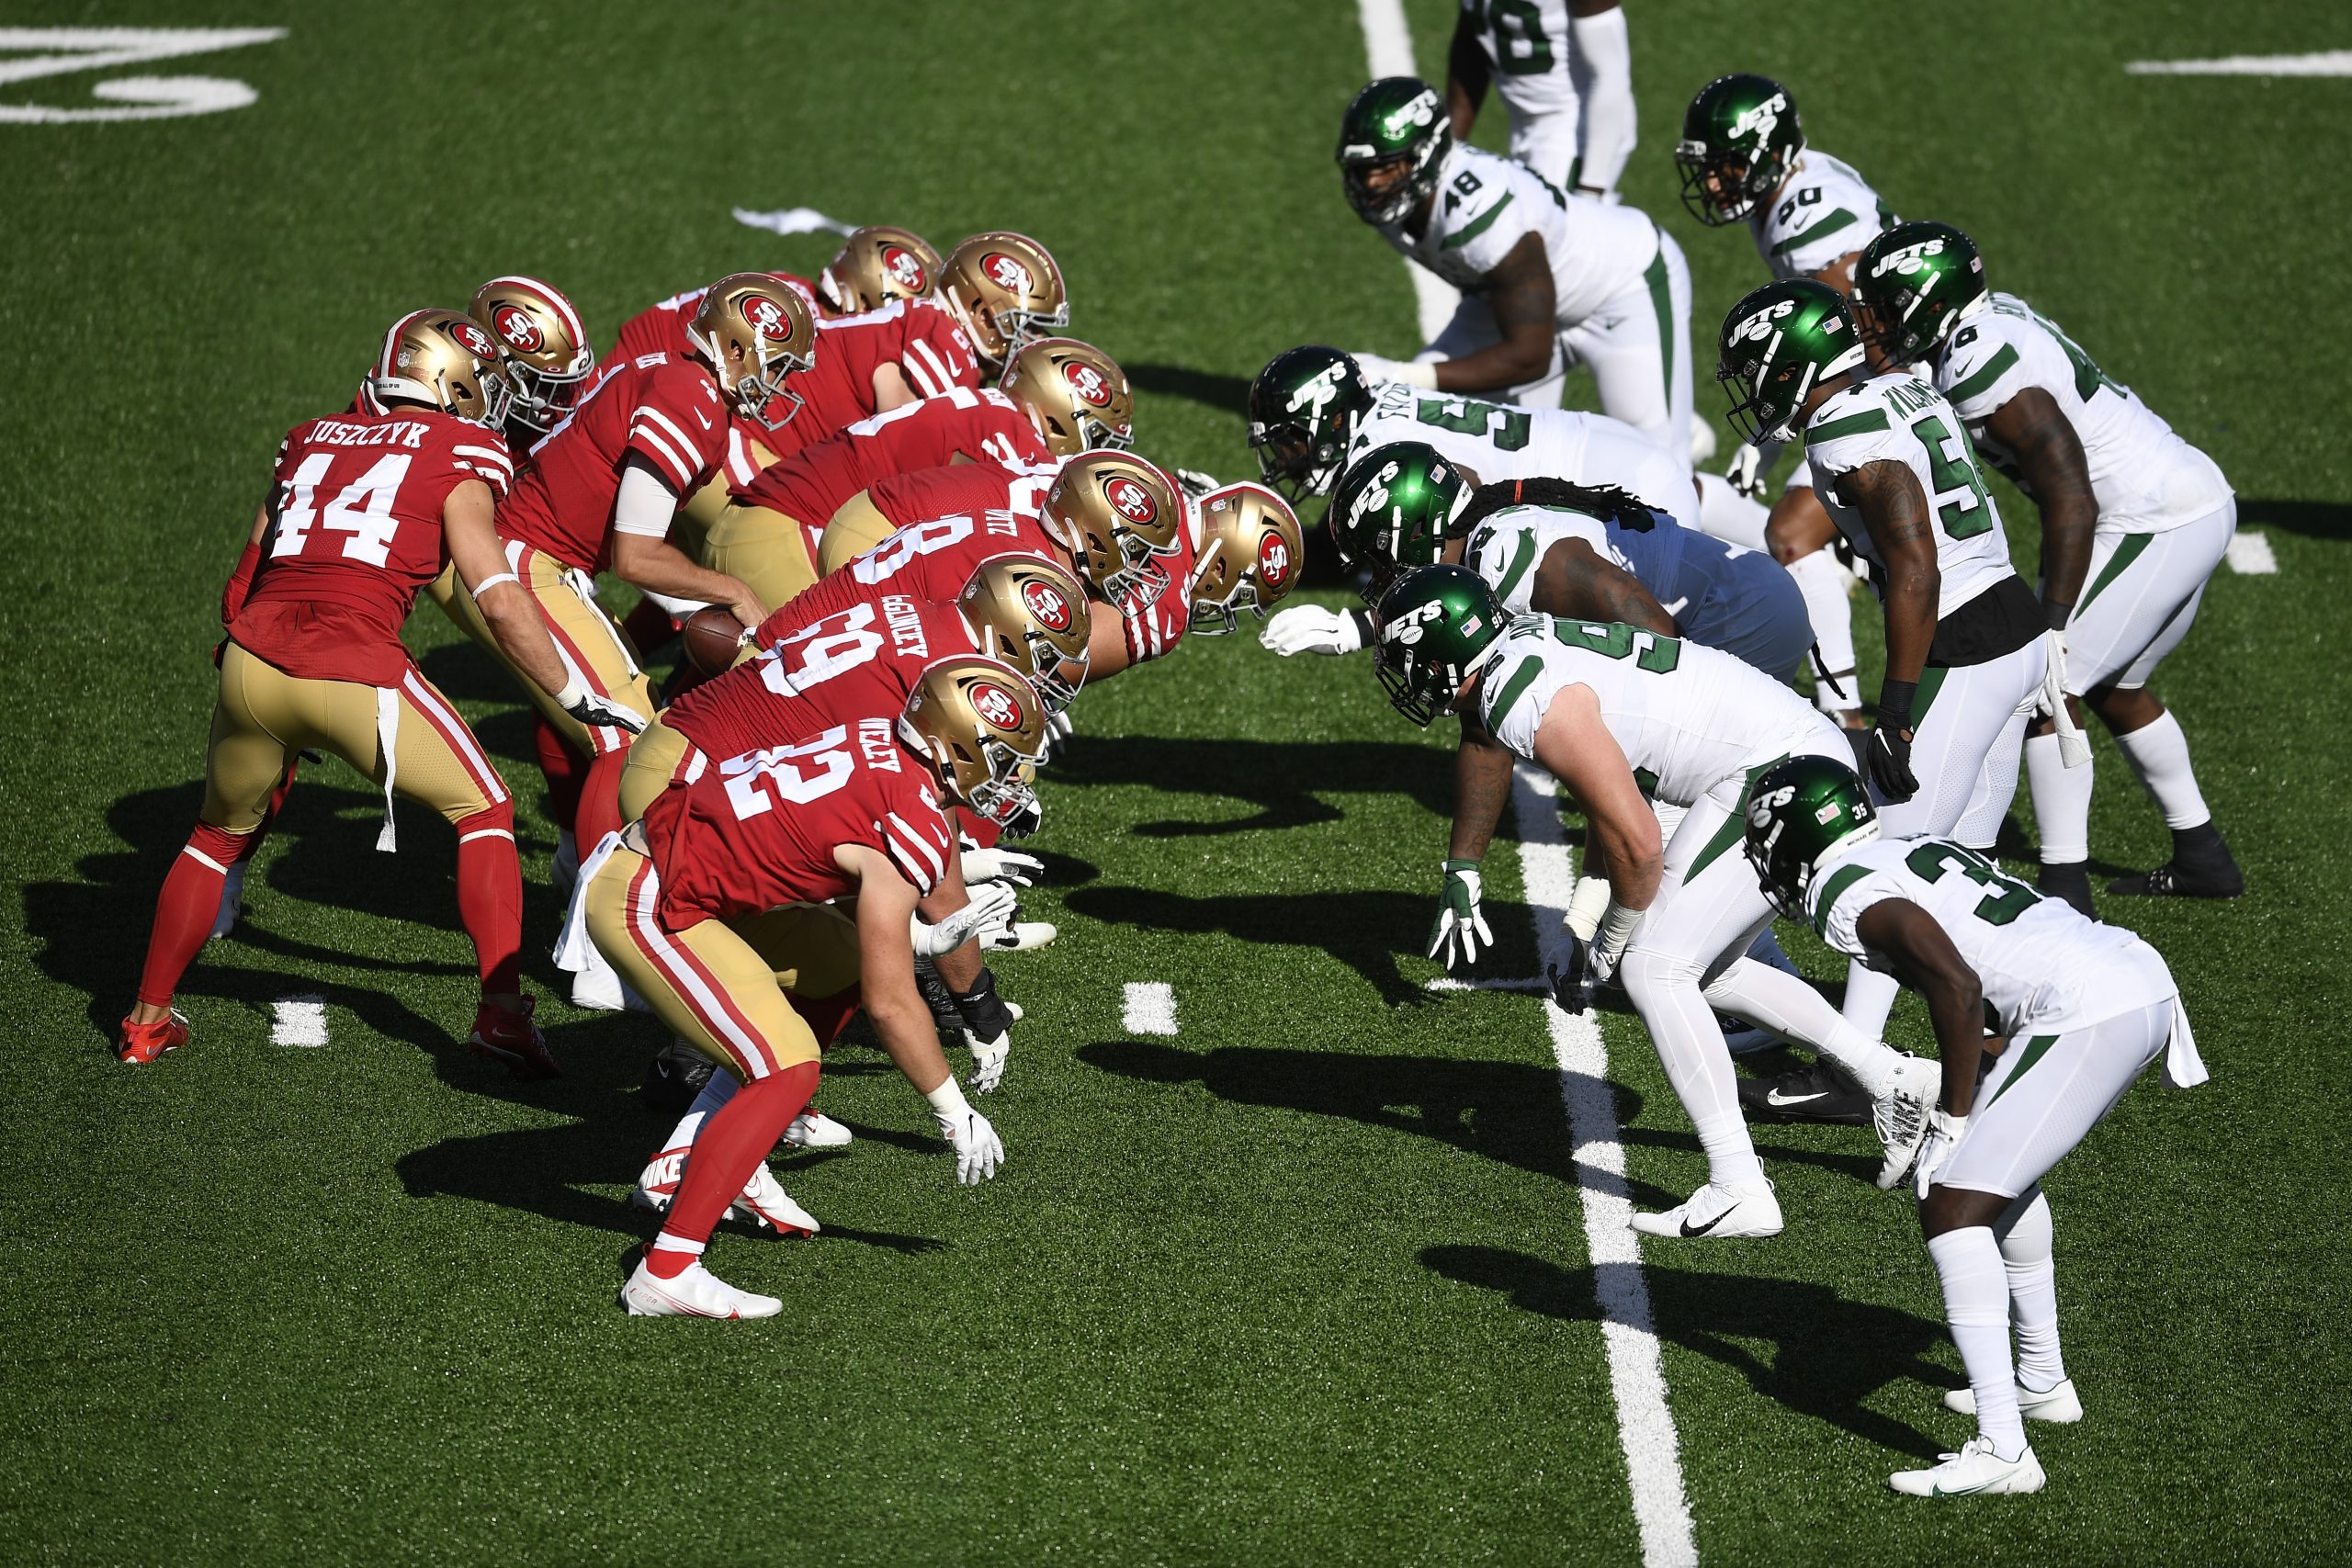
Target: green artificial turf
(1307,1281)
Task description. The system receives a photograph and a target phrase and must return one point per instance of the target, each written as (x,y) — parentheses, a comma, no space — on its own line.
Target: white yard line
(1448,983)
(1645,1425)
(1388,46)
(299,1021)
(2328,62)
(1150,1007)
(2250,553)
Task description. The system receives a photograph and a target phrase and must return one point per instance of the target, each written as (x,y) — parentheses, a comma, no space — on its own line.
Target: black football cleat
(1816,1093)
(2201,867)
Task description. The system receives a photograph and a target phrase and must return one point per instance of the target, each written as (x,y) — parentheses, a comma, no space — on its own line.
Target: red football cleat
(511,1037)
(142,1042)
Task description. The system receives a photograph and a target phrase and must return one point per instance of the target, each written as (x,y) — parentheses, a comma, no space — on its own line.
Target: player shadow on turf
(2313,519)
(1832,1353)
(1212,389)
(1284,779)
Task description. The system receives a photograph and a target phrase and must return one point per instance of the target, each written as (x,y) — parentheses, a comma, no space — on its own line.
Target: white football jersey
(2045,969)
(2147,479)
(1503,441)
(1900,418)
(1685,716)
(1824,211)
(1526,43)
(1485,203)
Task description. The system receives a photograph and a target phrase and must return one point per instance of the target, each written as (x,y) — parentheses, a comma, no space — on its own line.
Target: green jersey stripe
(1519,562)
(1829,225)
(1513,689)
(1479,226)
(1985,376)
(1831,891)
(2125,553)
(1852,425)
(2035,1049)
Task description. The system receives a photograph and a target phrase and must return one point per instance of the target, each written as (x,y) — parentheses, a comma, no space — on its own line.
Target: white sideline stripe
(1150,1007)
(1636,1377)
(298,1020)
(1448,983)
(2250,553)
(2327,63)
(1388,47)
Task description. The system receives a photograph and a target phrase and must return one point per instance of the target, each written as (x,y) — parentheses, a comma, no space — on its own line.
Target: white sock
(2158,753)
(1976,1306)
(2024,1234)
(1730,516)
(2062,802)
(717,1091)
(1664,991)
(1826,586)
(1794,1010)
(1731,1154)
(1870,997)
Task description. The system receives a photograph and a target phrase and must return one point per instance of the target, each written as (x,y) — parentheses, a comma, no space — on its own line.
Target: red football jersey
(355,532)
(1153,630)
(963,489)
(859,662)
(981,426)
(657,406)
(917,336)
(756,831)
(931,560)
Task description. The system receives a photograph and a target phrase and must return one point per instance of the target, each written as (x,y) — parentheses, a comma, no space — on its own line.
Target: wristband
(488,583)
(1454,865)
(2059,613)
(983,1010)
(1894,699)
(575,692)
(948,1099)
(1364,634)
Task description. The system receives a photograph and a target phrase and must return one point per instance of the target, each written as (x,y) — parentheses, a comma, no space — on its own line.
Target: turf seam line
(1150,1007)
(1636,1373)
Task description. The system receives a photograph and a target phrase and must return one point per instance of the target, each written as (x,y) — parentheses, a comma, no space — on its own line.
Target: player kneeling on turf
(2082,1009)
(705,905)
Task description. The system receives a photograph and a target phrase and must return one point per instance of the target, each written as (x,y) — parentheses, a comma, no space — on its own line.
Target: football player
(1248,548)
(877,265)
(602,490)
(365,509)
(1617,715)
(2134,521)
(2078,1012)
(1548,280)
(1006,292)
(853,811)
(1566,74)
(548,357)
(1965,655)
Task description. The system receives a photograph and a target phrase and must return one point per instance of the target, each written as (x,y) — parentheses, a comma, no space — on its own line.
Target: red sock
(565,769)
(827,1016)
(490,896)
(599,802)
(734,1139)
(184,909)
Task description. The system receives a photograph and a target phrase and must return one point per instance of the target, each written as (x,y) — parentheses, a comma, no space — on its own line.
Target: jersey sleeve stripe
(1521,558)
(1479,226)
(658,447)
(1514,688)
(1832,890)
(1830,225)
(1852,425)
(487,454)
(1984,375)
(647,411)
(933,374)
(909,863)
(938,866)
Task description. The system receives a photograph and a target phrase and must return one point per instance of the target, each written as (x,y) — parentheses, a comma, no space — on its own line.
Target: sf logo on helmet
(1007,273)
(520,332)
(1762,118)
(1130,499)
(996,705)
(905,268)
(473,340)
(1088,383)
(1909,259)
(767,317)
(1273,560)
(1047,605)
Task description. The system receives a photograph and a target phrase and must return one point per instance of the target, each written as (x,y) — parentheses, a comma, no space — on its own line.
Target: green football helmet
(1800,813)
(1439,625)
(1779,344)
(1393,510)
(1397,122)
(1303,411)
(1740,138)
(1913,284)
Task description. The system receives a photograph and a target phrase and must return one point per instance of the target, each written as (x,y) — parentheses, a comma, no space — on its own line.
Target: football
(713,638)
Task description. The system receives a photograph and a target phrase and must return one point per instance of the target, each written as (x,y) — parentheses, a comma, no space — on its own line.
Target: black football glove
(1890,760)
(1572,981)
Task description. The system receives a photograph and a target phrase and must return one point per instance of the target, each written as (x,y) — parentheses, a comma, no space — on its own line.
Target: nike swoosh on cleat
(1773,1097)
(1690,1229)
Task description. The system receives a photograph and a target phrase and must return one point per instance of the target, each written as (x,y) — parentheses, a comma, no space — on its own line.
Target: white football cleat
(2061,1405)
(698,1292)
(815,1130)
(232,901)
(1974,1471)
(1900,1119)
(1721,1211)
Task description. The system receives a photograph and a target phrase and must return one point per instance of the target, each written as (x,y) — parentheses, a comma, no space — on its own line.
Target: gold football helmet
(755,333)
(877,265)
(1033,618)
(444,360)
(1006,292)
(1117,516)
(1075,394)
(981,726)
(547,356)
(1251,551)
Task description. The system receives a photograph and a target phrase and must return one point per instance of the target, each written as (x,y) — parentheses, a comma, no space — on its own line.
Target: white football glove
(1001,865)
(1749,467)
(987,1059)
(1059,729)
(1009,935)
(1461,922)
(978,1151)
(1311,628)
(988,901)
(1944,1130)
(1194,483)
(597,712)
(1411,372)
(2074,751)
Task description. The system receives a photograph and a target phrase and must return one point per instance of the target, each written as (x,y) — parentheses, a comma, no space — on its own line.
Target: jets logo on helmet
(1758,327)
(905,268)
(767,317)
(1273,561)
(1760,119)
(1007,273)
(520,332)
(1048,605)
(1317,392)
(1908,260)
(1134,502)
(996,705)
(1406,627)
(476,341)
(1088,383)
(1420,111)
